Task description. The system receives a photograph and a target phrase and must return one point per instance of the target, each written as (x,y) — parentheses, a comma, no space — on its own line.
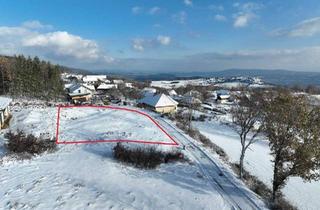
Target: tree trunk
(275,181)
(241,163)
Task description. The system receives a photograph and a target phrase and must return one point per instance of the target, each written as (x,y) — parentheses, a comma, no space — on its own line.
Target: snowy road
(221,179)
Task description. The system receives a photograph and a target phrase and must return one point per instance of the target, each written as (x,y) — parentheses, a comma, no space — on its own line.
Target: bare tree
(246,117)
(293,130)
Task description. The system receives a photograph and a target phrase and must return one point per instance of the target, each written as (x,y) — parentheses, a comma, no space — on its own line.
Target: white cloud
(136,10)
(154,10)
(57,46)
(219,17)
(61,43)
(138,44)
(242,20)
(180,17)
(164,40)
(246,12)
(188,2)
(141,44)
(309,27)
(35,24)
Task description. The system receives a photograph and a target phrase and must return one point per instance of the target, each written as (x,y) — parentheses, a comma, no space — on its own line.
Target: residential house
(93,79)
(81,92)
(118,81)
(4,110)
(172,93)
(104,86)
(223,96)
(159,103)
(128,85)
(149,91)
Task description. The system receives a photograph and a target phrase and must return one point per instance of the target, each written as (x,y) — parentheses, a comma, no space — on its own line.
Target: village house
(172,93)
(93,79)
(104,86)
(80,92)
(159,103)
(118,81)
(4,111)
(149,91)
(223,96)
(128,85)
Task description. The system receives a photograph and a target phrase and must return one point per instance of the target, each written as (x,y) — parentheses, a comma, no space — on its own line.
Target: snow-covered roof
(159,100)
(117,81)
(88,86)
(68,85)
(172,93)
(4,102)
(150,90)
(94,78)
(223,92)
(75,87)
(104,86)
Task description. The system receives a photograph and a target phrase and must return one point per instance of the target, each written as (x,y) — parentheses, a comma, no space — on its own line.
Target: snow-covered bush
(147,157)
(21,143)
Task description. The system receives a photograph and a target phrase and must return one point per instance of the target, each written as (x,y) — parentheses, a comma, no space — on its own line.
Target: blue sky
(165,35)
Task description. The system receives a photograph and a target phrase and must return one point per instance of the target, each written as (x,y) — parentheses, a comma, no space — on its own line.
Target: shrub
(148,158)
(262,190)
(20,143)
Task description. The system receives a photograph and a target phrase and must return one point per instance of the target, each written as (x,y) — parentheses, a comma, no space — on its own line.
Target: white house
(92,79)
(149,91)
(172,93)
(159,103)
(128,85)
(4,110)
(118,81)
(81,92)
(104,86)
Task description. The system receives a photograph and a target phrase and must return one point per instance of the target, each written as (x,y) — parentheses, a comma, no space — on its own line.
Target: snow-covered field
(85,176)
(258,162)
(93,123)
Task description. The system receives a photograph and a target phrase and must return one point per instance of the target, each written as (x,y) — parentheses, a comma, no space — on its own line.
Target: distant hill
(278,77)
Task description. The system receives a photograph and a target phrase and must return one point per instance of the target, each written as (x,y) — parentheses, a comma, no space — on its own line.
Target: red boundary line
(174,143)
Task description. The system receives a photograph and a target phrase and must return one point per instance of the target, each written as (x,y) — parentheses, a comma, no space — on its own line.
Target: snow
(159,100)
(230,85)
(77,89)
(87,177)
(258,162)
(91,123)
(94,78)
(104,86)
(4,102)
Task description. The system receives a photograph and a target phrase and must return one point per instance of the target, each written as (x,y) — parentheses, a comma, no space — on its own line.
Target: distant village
(159,96)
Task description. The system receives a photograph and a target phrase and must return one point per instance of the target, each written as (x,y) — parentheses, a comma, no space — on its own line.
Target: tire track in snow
(234,195)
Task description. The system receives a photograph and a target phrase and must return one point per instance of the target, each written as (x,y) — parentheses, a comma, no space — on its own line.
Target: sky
(164,35)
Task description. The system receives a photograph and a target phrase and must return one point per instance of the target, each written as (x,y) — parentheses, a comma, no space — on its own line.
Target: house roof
(159,100)
(88,86)
(74,87)
(4,102)
(94,78)
(172,92)
(104,86)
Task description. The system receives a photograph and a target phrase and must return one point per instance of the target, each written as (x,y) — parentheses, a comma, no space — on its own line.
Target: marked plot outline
(73,122)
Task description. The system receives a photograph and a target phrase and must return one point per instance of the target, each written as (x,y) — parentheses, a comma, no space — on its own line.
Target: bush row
(23,144)
(147,158)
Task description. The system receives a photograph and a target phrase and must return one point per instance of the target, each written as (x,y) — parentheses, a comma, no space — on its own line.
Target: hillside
(30,77)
